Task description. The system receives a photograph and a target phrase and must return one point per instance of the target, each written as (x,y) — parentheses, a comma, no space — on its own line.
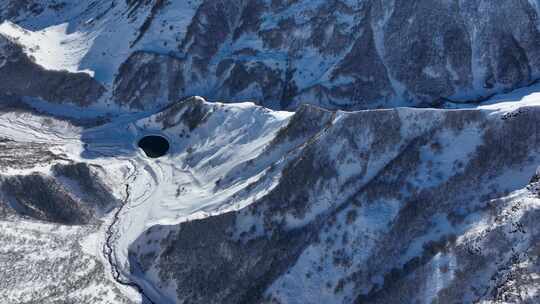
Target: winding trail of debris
(108,251)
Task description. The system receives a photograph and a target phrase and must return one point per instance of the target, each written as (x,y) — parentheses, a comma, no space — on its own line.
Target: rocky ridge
(253,205)
(337,55)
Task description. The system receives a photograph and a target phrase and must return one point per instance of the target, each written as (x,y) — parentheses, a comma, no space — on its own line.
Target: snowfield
(404,174)
(52,48)
(336,55)
(96,38)
(234,159)
(162,191)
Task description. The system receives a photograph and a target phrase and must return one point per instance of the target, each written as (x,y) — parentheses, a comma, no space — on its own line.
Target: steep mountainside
(351,198)
(21,76)
(366,208)
(338,54)
(256,206)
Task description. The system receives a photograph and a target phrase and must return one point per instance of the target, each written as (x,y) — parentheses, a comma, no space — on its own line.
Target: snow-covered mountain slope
(335,54)
(20,76)
(252,205)
(52,208)
(374,204)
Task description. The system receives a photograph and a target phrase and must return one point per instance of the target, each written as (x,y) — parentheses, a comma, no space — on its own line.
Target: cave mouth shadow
(154,146)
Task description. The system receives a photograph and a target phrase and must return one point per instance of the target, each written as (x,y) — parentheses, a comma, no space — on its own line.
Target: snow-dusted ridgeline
(344,54)
(253,205)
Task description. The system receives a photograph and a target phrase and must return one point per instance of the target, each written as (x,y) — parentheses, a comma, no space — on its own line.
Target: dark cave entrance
(154,146)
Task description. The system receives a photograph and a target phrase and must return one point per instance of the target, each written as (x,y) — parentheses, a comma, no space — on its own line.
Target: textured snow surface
(175,188)
(230,158)
(252,205)
(95,37)
(338,55)
(52,48)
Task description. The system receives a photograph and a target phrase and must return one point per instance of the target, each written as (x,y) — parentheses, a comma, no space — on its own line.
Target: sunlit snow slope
(346,54)
(256,206)
(253,205)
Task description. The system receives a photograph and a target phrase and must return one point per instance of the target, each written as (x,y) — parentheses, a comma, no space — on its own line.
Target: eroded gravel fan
(154,146)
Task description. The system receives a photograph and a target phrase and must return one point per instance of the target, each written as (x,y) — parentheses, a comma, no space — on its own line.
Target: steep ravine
(108,252)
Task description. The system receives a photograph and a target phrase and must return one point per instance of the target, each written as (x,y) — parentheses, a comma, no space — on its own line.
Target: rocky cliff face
(335,54)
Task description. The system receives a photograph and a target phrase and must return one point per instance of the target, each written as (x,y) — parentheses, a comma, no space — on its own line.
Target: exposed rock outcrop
(148,80)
